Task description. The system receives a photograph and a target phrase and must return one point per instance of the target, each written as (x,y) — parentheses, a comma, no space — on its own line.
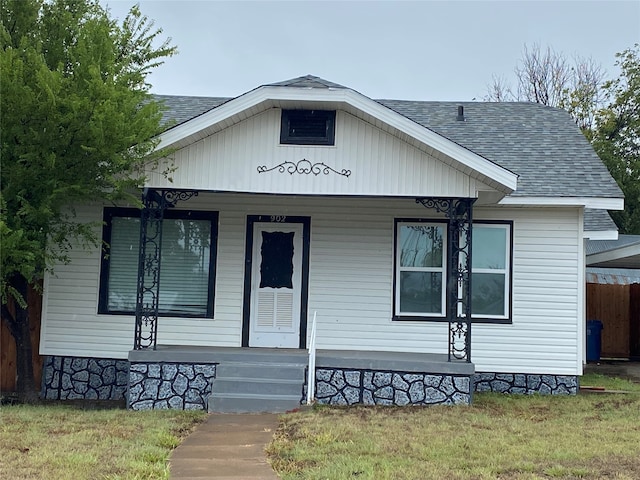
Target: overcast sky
(418,50)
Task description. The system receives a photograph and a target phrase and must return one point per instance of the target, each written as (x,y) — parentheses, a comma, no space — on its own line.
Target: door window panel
(276,267)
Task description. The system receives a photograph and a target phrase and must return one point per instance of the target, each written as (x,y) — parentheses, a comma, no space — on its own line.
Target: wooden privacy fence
(8,346)
(618,308)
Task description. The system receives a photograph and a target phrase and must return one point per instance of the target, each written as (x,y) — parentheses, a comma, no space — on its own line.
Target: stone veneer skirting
(170,385)
(337,386)
(187,385)
(526,383)
(75,378)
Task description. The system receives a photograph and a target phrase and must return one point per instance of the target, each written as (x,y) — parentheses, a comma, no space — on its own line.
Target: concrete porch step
(267,386)
(268,370)
(254,385)
(252,403)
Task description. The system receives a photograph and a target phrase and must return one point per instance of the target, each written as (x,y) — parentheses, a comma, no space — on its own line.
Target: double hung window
(188,258)
(421,260)
(420,269)
(491,270)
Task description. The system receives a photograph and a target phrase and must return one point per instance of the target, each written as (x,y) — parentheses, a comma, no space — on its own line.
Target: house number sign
(279,218)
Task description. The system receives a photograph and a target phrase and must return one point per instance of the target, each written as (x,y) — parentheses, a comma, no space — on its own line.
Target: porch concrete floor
(356,359)
(226,446)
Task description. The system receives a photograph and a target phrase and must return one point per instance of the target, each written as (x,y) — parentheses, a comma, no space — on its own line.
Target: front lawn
(589,436)
(63,442)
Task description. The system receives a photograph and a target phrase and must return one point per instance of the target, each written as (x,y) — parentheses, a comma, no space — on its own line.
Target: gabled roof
(540,144)
(308,81)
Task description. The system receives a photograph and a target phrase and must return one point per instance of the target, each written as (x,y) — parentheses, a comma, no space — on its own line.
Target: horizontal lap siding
(545,332)
(350,286)
(355,306)
(70,324)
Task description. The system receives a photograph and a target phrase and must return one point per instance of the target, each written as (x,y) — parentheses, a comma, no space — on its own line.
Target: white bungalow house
(439,245)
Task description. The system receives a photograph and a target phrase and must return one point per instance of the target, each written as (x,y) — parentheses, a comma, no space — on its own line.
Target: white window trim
(506,270)
(506,226)
(442,270)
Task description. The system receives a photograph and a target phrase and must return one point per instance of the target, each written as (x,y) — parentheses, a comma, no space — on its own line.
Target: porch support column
(155,202)
(459,212)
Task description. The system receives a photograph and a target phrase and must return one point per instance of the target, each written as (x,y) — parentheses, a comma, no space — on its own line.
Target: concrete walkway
(226,446)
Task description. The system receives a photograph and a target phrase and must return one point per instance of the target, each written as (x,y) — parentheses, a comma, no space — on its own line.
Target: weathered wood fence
(8,346)
(618,308)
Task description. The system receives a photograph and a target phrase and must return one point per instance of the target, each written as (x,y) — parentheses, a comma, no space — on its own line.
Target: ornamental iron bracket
(459,213)
(155,202)
(304,167)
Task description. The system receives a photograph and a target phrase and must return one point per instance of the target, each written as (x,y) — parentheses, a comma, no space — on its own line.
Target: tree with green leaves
(616,137)
(608,112)
(78,125)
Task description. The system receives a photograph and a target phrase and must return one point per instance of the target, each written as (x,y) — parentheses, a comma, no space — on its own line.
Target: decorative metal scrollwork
(155,202)
(459,214)
(304,167)
(172,197)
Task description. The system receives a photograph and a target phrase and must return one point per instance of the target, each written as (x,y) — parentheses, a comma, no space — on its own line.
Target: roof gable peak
(306,81)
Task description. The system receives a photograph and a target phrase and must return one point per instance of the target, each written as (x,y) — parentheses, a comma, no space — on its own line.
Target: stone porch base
(184,377)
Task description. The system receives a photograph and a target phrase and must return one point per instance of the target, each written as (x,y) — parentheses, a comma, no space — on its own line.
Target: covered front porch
(281,265)
(228,379)
(281,260)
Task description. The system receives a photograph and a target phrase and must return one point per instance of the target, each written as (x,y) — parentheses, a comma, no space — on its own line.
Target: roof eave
(598,203)
(600,234)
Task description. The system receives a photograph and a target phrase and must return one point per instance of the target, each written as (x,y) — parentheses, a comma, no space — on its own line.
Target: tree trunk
(18,325)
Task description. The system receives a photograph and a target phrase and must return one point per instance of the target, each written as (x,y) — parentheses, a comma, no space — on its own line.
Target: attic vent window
(308,127)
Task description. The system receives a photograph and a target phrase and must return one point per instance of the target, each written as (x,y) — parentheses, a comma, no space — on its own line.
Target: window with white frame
(187,272)
(421,273)
(420,269)
(491,270)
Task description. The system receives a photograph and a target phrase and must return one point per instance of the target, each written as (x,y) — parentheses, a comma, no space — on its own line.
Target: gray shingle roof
(539,143)
(598,221)
(179,109)
(542,145)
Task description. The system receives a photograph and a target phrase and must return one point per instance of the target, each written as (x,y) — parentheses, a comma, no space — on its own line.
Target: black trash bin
(594,340)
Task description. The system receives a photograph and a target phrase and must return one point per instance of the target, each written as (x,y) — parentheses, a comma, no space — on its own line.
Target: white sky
(417,50)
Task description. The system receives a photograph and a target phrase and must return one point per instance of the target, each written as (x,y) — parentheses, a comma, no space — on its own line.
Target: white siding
(380,163)
(350,286)
(545,334)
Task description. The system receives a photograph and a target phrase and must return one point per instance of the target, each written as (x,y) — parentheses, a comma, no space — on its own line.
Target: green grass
(499,437)
(63,442)
(609,383)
